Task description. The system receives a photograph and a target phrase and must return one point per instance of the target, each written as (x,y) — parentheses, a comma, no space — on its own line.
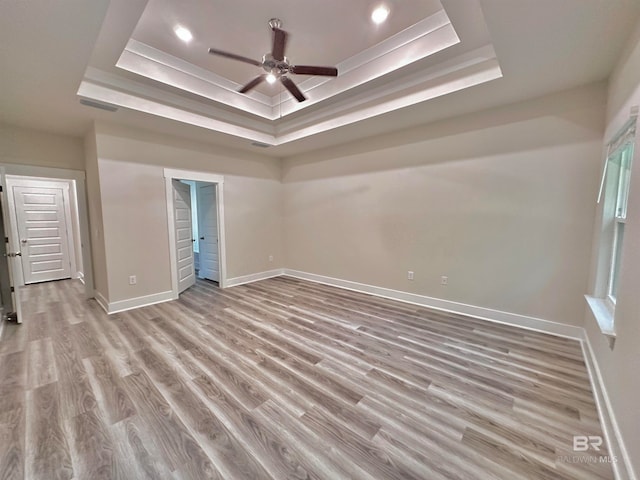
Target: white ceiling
(320,38)
(432,60)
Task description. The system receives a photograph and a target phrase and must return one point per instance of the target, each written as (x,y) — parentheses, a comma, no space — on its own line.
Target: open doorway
(204,226)
(46,225)
(195,215)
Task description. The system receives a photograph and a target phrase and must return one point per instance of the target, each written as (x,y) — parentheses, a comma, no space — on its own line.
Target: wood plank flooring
(286,379)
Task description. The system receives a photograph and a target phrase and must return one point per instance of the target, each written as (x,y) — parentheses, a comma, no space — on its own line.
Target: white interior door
(208,230)
(43,232)
(10,263)
(184,234)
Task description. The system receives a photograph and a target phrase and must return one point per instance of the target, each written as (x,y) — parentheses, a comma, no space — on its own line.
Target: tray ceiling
(481,55)
(409,59)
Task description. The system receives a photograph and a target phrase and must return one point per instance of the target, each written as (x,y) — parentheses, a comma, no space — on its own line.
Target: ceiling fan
(276,65)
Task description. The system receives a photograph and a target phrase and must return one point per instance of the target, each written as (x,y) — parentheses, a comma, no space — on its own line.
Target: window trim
(613,272)
(603,301)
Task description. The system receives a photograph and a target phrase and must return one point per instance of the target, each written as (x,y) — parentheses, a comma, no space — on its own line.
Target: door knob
(201,238)
(23,241)
(16,254)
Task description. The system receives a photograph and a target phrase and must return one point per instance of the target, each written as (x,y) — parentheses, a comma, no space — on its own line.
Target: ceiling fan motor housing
(277,67)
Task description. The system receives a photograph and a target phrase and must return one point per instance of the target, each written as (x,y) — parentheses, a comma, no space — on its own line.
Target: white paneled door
(43,232)
(208,229)
(184,235)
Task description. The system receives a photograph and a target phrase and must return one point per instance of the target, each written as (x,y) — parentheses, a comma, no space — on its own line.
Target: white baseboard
(254,277)
(101,300)
(622,468)
(496,316)
(131,303)
(80,276)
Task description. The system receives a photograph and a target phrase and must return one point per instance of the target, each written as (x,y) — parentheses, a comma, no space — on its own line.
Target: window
(614,192)
(615,211)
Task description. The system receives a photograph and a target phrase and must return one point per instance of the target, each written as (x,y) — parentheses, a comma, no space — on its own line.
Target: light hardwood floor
(286,379)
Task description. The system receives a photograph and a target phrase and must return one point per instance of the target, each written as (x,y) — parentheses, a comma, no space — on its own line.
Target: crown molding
(423,39)
(466,70)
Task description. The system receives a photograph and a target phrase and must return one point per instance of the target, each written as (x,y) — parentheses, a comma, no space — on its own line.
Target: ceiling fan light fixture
(276,65)
(183,33)
(271,78)
(380,14)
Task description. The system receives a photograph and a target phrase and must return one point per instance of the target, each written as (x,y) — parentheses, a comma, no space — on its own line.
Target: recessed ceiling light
(183,34)
(380,14)
(271,78)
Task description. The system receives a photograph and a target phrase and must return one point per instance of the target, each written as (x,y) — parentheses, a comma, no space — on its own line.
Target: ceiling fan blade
(311,70)
(279,44)
(295,91)
(253,83)
(233,56)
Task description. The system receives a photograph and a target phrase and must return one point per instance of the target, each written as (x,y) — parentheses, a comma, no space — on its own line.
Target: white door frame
(174,174)
(65,185)
(48,173)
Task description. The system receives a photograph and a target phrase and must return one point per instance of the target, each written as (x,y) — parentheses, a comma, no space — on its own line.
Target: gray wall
(501,202)
(132,185)
(620,367)
(32,147)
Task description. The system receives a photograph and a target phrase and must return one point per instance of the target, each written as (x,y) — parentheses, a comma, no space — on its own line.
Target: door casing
(171,174)
(47,173)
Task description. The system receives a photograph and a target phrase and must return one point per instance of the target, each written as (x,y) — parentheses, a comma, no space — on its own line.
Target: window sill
(602,314)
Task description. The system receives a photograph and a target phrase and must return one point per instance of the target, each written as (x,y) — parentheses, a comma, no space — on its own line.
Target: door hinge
(13,289)
(6,239)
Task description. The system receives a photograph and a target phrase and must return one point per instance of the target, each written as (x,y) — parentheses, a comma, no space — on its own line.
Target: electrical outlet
(444,280)
(133,280)
(271,258)
(409,275)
